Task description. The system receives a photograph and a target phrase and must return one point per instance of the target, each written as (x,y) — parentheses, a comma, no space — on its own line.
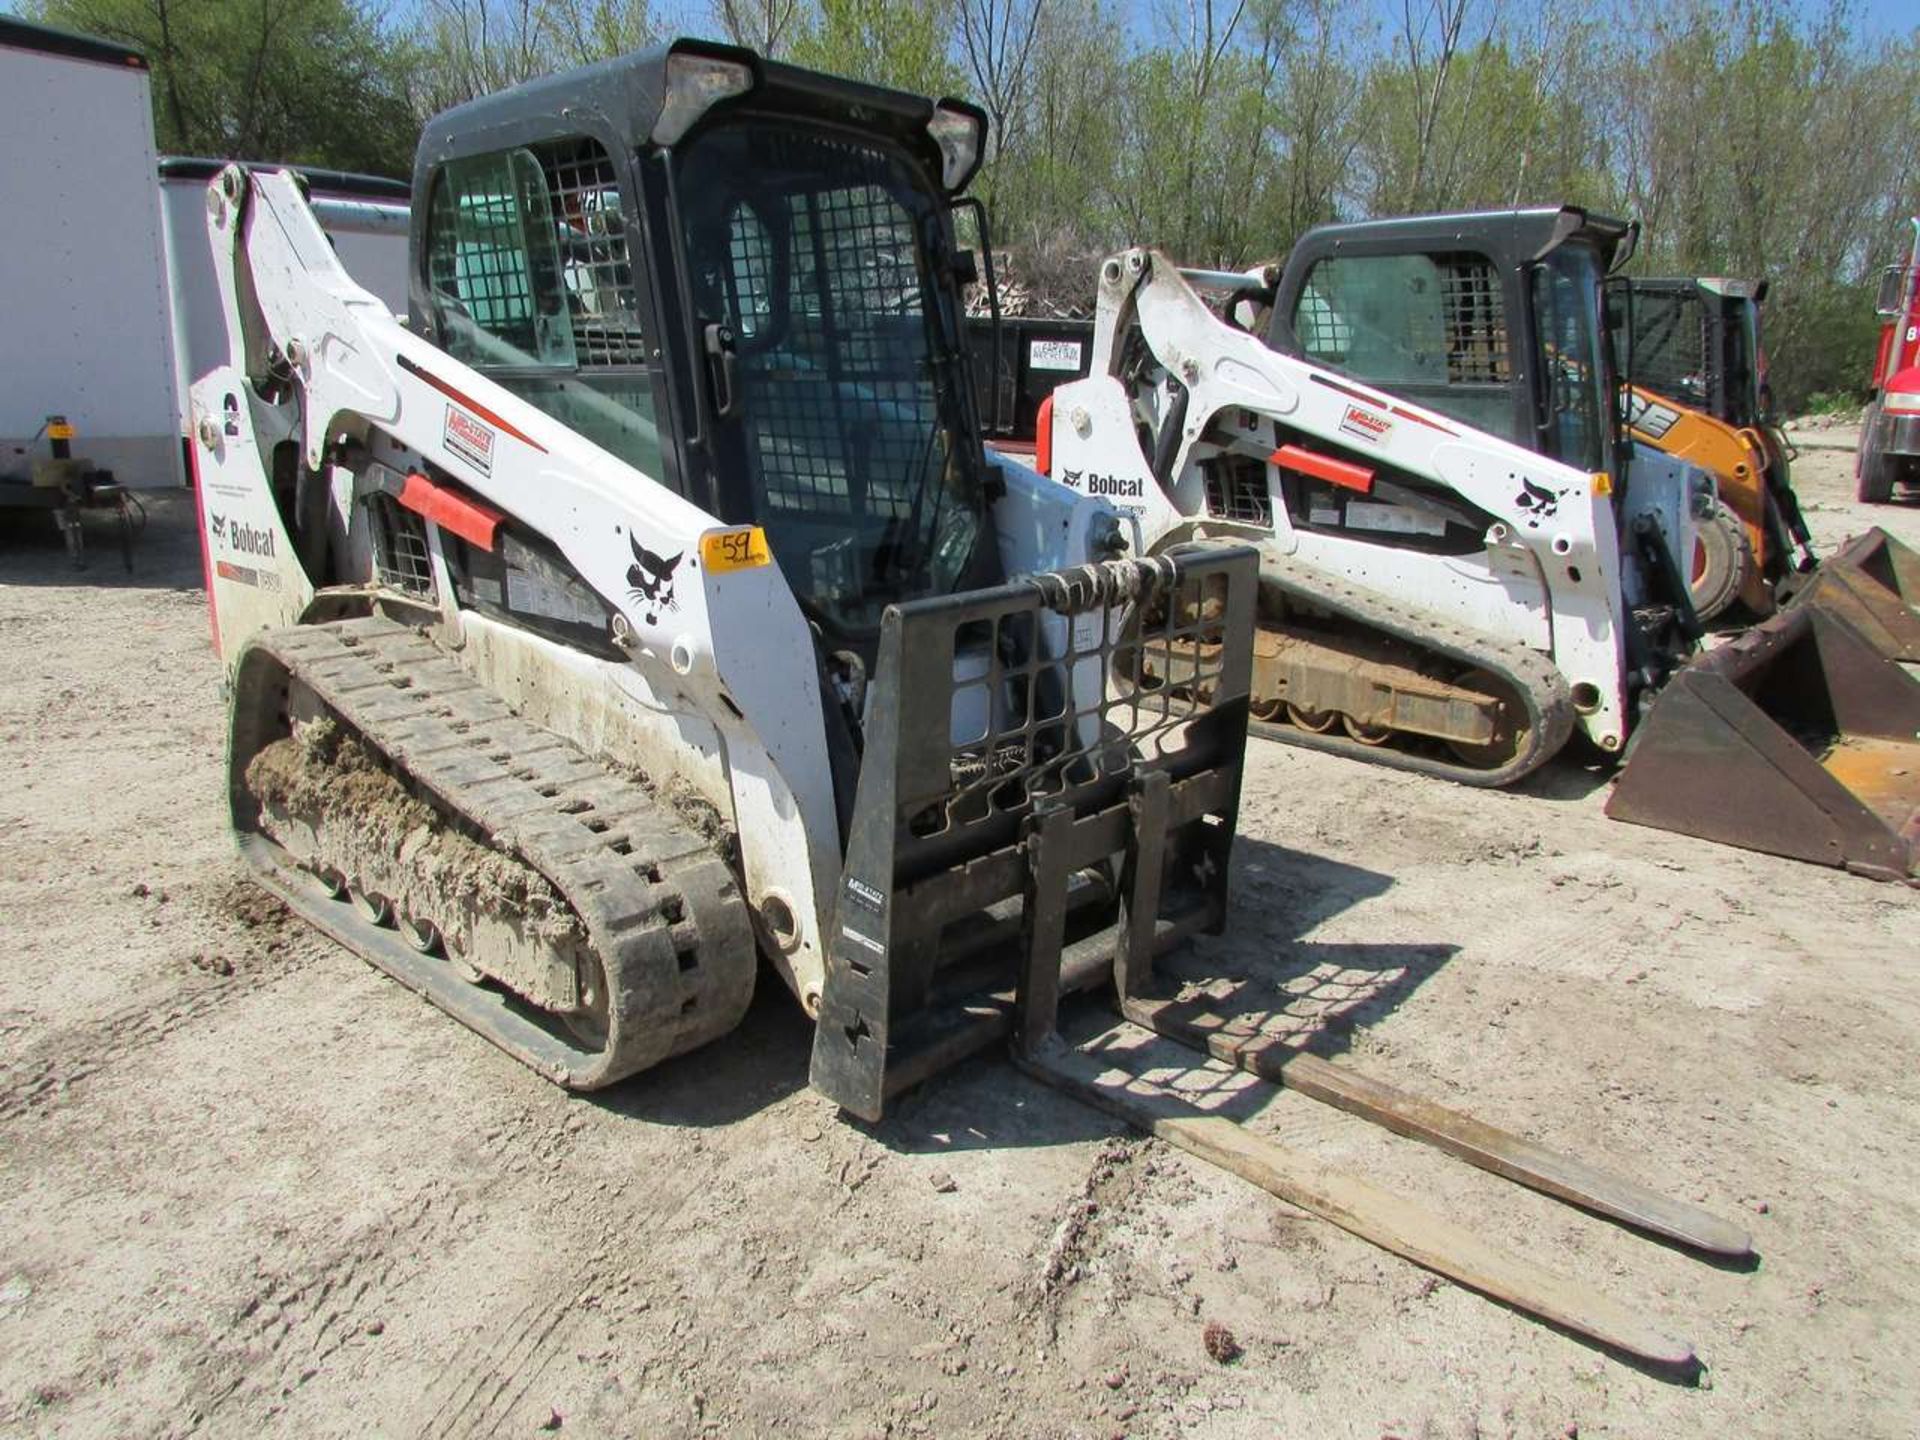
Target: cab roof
(620,100)
(1512,237)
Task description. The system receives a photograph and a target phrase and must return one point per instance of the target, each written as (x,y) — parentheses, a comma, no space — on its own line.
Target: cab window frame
(658,456)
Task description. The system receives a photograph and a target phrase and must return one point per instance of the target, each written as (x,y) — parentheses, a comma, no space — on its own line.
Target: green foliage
(1831,402)
(313,81)
(903,43)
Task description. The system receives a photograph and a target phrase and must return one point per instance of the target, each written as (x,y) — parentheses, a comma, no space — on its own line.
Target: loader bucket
(1799,738)
(1873,583)
(1028,805)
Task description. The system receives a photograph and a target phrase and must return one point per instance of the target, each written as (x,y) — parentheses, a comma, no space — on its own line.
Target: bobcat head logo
(651,577)
(1539,502)
(218,523)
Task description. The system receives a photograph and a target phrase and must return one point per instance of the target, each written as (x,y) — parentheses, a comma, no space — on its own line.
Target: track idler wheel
(374,908)
(1505,742)
(421,933)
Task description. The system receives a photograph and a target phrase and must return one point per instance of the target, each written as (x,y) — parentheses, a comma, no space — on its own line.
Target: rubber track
(1541,687)
(661,909)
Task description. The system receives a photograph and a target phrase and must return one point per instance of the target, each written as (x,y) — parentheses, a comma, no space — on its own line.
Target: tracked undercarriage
(1339,668)
(563,911)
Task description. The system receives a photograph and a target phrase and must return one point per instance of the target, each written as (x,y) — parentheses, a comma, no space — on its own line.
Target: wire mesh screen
(1322,331)
(1055,685)
(477,255)
(842,410)
(1475,320)
(1236,489)
(1436,319)
(531,246)
(527,254)
(400,558)
(583,197)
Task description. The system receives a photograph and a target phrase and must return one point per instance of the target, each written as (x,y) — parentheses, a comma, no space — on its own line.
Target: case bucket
(1873,583)
(1797,739)
(1027,807)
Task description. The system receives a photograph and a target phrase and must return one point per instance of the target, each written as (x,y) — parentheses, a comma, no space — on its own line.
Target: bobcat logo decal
(652,580)
(218,523)
(1539,502)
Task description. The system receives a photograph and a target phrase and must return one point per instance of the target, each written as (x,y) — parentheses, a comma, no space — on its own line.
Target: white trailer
(85,330)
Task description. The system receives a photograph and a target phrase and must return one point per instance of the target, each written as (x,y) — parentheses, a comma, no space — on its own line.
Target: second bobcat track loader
(1433,597)
(645,604)
(1442,600)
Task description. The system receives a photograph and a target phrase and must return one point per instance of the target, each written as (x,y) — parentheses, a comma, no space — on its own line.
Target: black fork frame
(1084,832)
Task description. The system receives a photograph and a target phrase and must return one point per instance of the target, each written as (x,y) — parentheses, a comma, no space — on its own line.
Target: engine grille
(400,558)
(1237,490)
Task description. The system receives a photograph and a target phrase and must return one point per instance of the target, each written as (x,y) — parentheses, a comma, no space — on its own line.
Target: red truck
(1890,432)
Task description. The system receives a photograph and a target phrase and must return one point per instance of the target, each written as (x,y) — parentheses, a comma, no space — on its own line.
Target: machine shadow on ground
(1311,994)
(1575,773)
(1308,994)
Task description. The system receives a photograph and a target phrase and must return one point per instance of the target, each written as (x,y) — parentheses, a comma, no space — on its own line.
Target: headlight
(958,135)
(695,84)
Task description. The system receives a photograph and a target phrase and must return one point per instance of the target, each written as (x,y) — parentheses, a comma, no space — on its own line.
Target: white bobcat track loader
(432,537)
(1432,596)
(1423,582)
(645,603)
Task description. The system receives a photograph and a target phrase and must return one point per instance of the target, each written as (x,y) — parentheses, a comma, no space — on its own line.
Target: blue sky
(1889,17)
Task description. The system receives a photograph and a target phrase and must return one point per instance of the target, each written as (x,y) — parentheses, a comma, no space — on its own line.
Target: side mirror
(1887,304)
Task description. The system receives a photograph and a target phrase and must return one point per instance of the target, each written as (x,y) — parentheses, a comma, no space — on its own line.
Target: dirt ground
(247,1185)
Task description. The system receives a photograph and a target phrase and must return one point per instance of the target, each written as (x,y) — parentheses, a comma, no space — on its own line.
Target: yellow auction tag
(59,430)
(744,549)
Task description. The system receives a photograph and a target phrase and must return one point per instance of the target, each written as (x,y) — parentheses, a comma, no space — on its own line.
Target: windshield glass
(814,251)
(1431,327)
(527,257)
(1576,382)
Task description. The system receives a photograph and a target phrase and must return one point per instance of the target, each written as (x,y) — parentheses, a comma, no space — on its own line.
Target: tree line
(1750,137)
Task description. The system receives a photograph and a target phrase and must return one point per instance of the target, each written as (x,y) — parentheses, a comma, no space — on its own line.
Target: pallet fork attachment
(1076,836)
(1008,794)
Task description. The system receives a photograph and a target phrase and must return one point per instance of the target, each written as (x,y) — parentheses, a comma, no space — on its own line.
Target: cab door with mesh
(809,257)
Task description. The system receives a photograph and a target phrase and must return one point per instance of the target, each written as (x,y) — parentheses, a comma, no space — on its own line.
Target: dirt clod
(1221,1347)
(329,780)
